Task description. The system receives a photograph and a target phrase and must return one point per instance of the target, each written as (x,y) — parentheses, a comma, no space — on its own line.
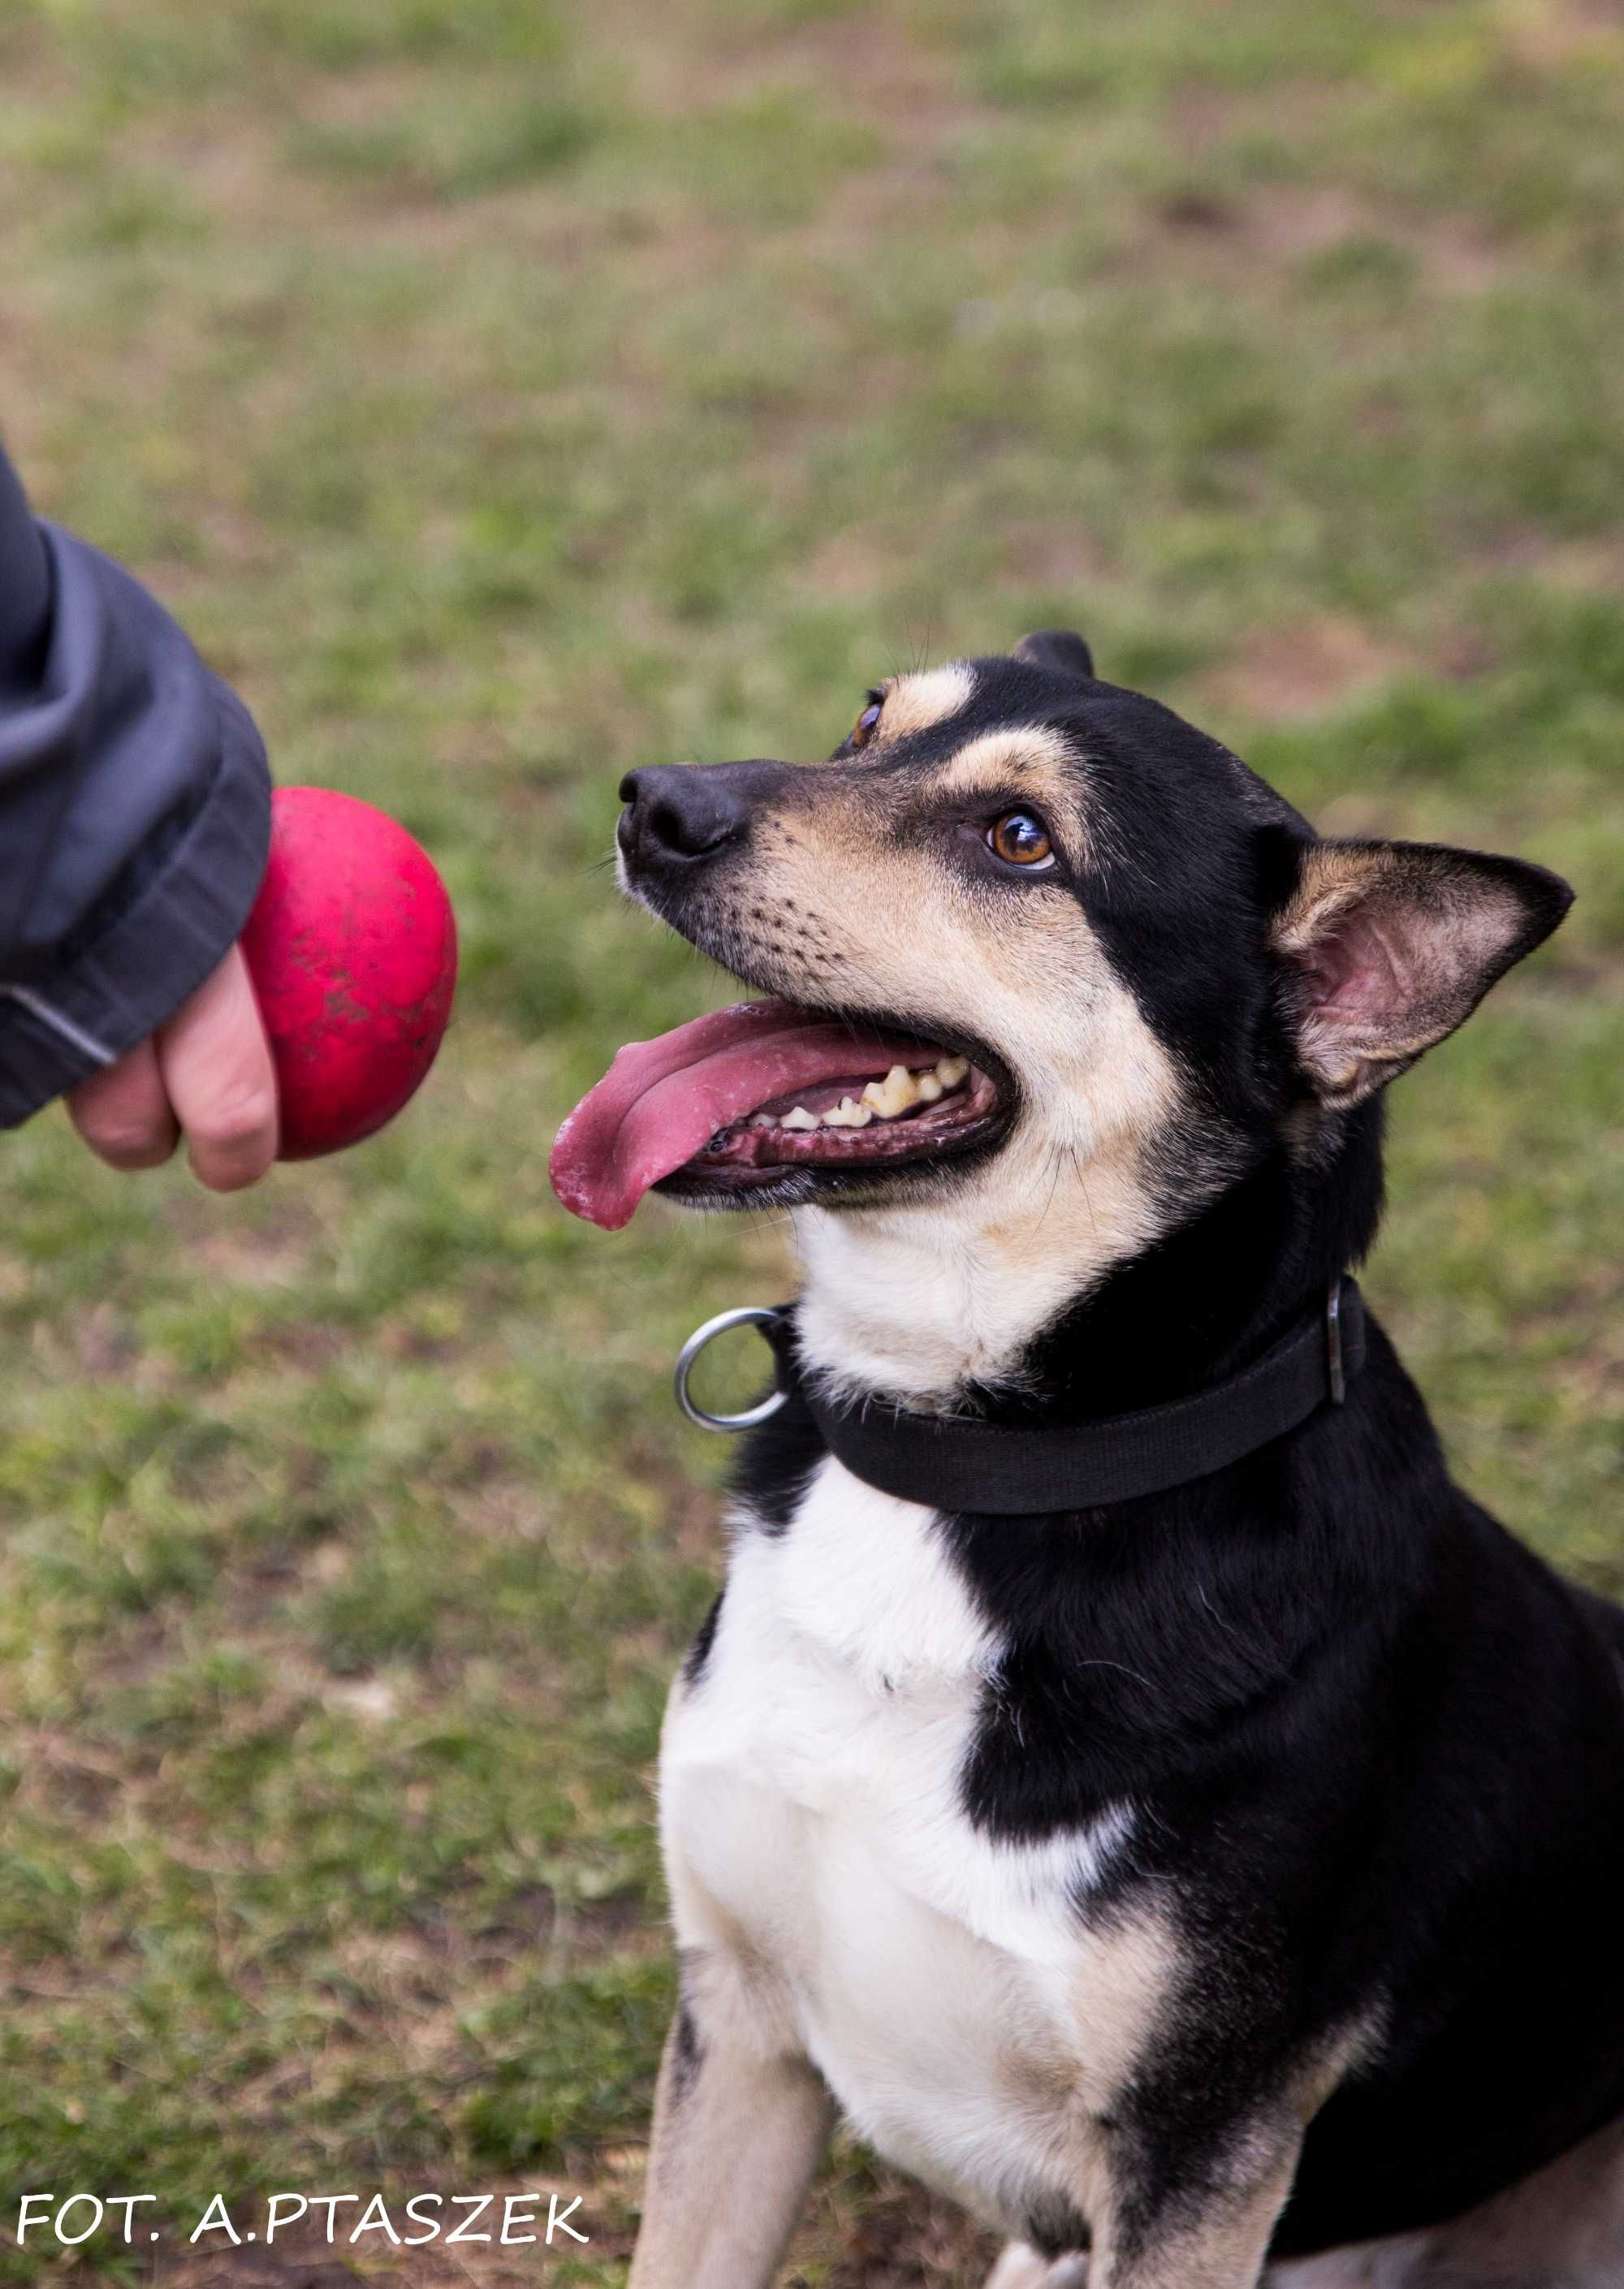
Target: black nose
(677,812)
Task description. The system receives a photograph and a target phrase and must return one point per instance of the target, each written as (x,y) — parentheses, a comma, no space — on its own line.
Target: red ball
(351,947)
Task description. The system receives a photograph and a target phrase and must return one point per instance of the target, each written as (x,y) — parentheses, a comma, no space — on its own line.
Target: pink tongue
(661,1101)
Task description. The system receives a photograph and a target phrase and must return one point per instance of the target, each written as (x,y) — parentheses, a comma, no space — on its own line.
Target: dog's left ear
(1389,946)
(1059,650)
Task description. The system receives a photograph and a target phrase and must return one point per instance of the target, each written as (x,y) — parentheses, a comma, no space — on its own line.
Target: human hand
(206,1074)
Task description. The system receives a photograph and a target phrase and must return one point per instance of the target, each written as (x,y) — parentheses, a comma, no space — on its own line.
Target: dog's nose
(678,812)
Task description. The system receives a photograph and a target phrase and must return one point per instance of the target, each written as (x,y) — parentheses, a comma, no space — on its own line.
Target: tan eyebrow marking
(913,703)
(1031,761)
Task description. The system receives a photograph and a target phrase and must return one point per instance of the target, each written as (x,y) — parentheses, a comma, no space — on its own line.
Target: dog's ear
(1389,946)
(1058,649)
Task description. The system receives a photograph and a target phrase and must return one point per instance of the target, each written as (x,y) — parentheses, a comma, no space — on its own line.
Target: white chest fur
(945,1985)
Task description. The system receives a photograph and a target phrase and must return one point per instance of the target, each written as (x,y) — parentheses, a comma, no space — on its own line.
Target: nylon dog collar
(953,1465)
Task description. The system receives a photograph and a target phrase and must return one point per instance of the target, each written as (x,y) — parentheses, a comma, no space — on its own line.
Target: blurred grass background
(506,396)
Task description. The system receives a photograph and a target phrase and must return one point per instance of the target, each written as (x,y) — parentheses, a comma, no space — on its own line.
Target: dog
(1215,1883)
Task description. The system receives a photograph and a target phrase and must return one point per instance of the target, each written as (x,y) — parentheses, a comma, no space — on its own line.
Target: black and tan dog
(1228,1879)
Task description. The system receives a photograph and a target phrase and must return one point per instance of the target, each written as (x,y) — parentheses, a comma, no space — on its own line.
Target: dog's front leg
(1226,2249)
(1215,2238)
(740,2120)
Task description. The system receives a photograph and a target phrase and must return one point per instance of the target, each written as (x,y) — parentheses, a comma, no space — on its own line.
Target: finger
(123,1112)
(217,1070)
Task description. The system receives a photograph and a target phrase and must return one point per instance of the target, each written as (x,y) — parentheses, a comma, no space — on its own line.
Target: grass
(505,396)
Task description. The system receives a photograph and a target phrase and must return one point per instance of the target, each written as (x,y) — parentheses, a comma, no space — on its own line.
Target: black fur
(1375,1747)
(1059,648)
(684,2048)
(699,1652)
(774,1463)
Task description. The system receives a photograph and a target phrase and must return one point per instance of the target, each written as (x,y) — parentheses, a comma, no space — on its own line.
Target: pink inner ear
(1359,971)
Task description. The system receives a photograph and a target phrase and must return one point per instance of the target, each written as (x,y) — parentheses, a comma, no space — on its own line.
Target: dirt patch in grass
(1305,668)
(1320,229)
(851,566)
(1589,567)
(1061,558)
(863,62)
(1567,32)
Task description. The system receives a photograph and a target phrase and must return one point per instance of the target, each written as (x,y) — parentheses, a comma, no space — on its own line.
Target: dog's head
(1033,942)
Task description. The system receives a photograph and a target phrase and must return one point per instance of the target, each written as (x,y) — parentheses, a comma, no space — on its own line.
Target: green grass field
(506,397)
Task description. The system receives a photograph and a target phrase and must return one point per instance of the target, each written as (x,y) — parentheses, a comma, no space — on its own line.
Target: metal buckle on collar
(746,1315)
(1334,1368)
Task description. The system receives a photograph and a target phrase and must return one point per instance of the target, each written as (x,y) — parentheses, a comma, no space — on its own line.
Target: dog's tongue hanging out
(662,1101)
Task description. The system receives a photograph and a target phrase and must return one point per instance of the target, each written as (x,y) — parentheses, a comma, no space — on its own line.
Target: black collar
(962,1465)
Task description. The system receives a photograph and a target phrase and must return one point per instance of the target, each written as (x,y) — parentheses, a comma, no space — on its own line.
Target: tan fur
(1121,1987)
(1334,875)
(1032,765)
(1122,1982)
(736,2137)
(1224,2246)
(1225,2250)
(913,703)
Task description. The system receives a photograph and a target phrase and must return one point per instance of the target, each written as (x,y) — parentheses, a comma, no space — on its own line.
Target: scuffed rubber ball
(351,947)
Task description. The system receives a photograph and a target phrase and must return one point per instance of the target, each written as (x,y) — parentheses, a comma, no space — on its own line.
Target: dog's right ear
(1058,649)
(1389,946)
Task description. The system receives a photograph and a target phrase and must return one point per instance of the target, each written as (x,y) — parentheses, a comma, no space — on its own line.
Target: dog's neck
(920,1307)
(947,1310)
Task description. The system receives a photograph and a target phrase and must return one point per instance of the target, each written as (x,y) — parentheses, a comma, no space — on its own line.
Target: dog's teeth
(902,1088)
(893,1095)
(880,1100)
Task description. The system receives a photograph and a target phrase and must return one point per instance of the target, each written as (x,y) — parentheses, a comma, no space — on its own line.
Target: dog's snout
(675,813)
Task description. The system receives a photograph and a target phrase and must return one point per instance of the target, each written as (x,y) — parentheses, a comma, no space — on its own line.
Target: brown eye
(1020,840)
(862,730)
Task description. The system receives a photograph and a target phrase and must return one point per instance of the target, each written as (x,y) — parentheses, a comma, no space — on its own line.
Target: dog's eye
(1020,840)
(862,730)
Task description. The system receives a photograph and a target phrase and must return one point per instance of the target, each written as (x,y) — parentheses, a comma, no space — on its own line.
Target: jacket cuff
(120,986)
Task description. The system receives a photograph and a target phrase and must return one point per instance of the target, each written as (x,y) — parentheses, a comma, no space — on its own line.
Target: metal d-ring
(1335,1366)
(746,1315)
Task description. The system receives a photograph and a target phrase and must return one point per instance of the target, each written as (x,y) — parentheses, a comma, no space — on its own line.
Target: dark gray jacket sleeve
(134,811)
